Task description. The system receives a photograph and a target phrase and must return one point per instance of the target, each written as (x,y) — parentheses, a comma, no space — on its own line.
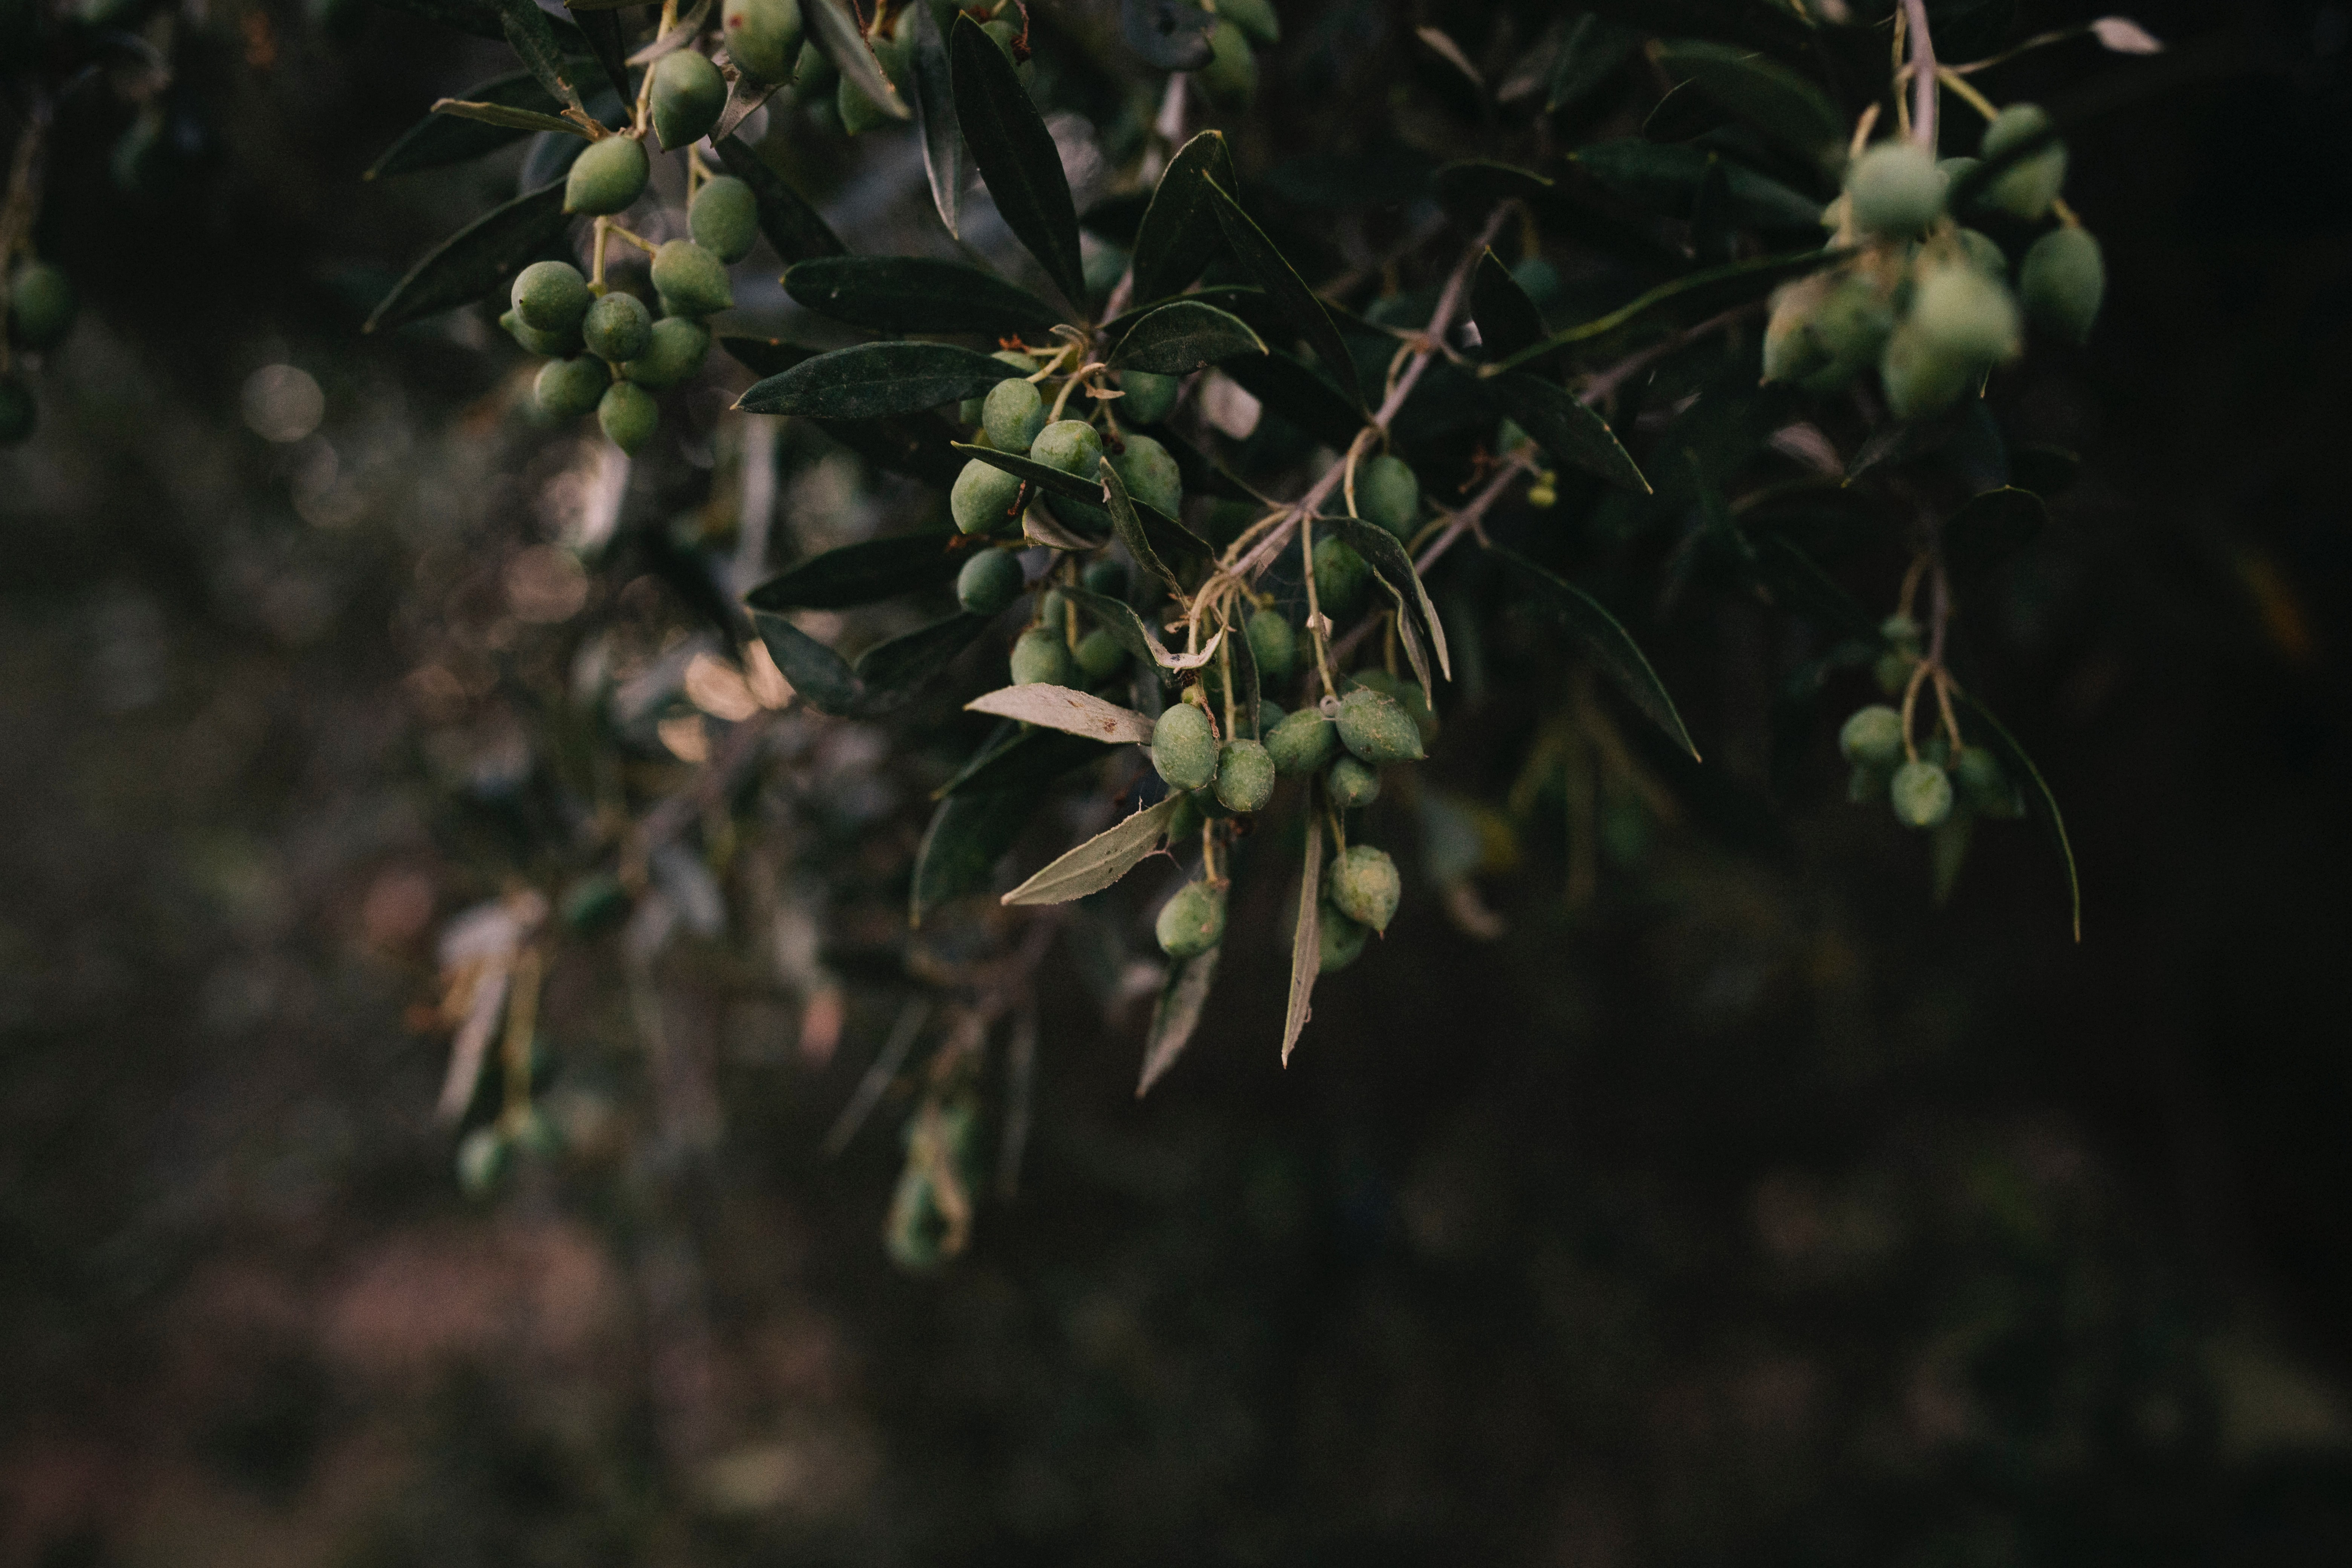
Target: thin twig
(1923,75)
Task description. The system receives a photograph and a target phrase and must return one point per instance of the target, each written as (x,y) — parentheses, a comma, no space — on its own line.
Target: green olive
(628,414)
(1365,886)
(724,217)
(688,96)
(763,38)
(1191,922)
(691,280)
(568,388)
(988,581)
(983,497)
(1150,474)
(1184,748)
(1244,776)
(672,356)
(608,176)
(617,328)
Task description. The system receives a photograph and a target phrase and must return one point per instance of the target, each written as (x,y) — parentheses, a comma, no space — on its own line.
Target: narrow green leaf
(968,835)
(890,674)
(1230,297)
(833,28)
(861,573)
(1100,861)
(1306,939)
(944,165)
(1378,547)
(608,44)
(1024,760)
(914,294)
(1279,279)
(1017,159)
(1247,691)
(475,260)
(1763,93)
(1993,524)
(1288,388)
(814,670)
(509,119)
(1176,1015)
(1171,537)
(438,140)
(1508,319)
(1073,713)
(1701,293)
(1593,51)
(790,225)
(1684,114)
(533,37)
(2015,754)
(1183,337)
(870,379)
(1664,179)
(1612,647)
(1130,528)
(1052,480)
(744,98)
(1180,233)
(1119,618)
(1573,434)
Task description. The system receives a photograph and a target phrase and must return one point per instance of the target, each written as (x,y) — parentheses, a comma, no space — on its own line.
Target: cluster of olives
(1061,647)
(1013,418)
(1926,789)
(40,313)
(1926,301)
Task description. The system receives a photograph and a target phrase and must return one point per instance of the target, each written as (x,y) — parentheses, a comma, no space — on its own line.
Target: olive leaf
(744,97)
(1017,158)
(1023,758)
(1387,557)
(1230,297)
(2015,754)
(866,380)
(1246,690)
(1179,236)
(1183,337)
(1665,178)
(860,573)
(1409,639)
(1611,647)
(1129,527)
(1761,93)
(935,118)
(1473,187)
(1045,476)
(1281,281)
(889,674)
(1040,525)
(1993,524)
(1574,435)
(790,225)
(1699,293)
(915,294)
(439,140)
(608,43)
(510,119)
(1100,861)
(1288,387)
(833,28)
(968,835)
(476,260)
(688,28)
(533,36)
(1118,617)
(1306,940)
(817,674)
(1175,1016)
(1593,50)
(1166,35)
(1074,713)
(1508,319)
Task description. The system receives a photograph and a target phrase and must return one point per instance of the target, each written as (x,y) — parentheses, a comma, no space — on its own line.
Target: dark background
(1758,1212)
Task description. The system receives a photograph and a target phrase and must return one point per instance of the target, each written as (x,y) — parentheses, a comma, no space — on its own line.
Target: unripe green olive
(1352,783)
(1231,75)
(1191,922)
(551,296)
(691,280)
(1272,644)
(1341,579)
(1183,749)
(1903,631)
(1388,493)
(568,388)
(688,97)
(1873,737)
(1408,695)
(1041,657)
(1338,941)
(609,174)
(970,409)
(1244,776)
(1012,415)
(1980,780)
(1965,314)
(19,415)
(41,305)
(1099,657)
(1892,671)
(983,497)
(1069,445)
(1269,714)
(617,328)
(627,414)
(1921,794)
(988,581)
(552,345)
(1301,743)
(1852,327)
(676,351)
(1376,728)
(1921,378)
(1984,253)
(763,37)
(2027,187)
(1108,578)
(724,217)
(2062,280)
(1054,608)
(1365,886)
(1254,18)
(1150,474)
(1793,350)
(813,75)
(1895,189)
(1149,397)
(858,112)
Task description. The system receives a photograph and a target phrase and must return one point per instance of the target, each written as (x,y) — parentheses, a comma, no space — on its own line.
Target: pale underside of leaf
(511,119)
(1074,713)
(1100,861)
(1176,1016)
(1306,940)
